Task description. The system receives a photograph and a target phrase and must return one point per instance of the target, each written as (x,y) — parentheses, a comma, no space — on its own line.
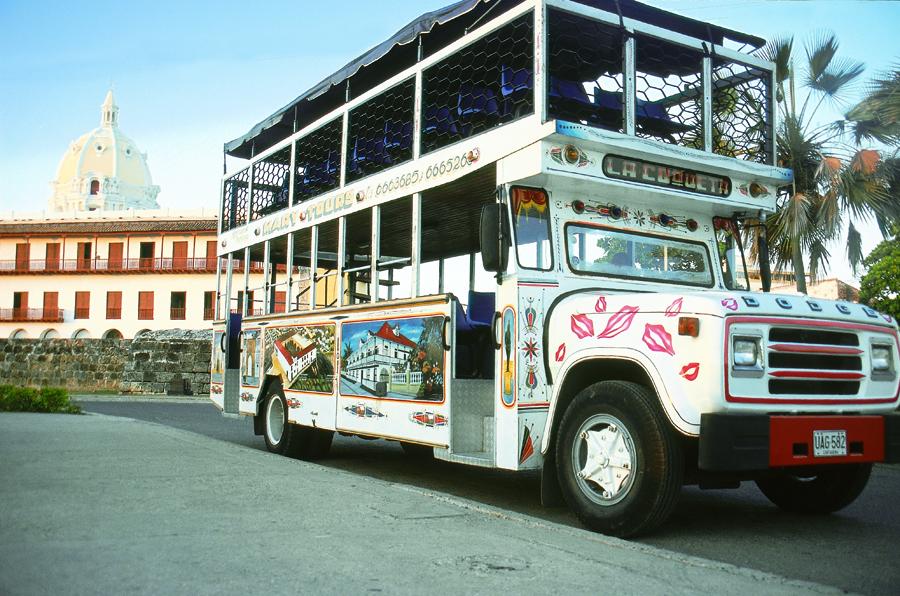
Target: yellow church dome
(103,170)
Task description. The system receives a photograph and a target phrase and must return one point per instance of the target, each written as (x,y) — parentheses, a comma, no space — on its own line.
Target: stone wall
(159,357)
(147,364)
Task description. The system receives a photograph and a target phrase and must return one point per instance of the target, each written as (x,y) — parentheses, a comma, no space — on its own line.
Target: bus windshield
(615,253)
(731,254)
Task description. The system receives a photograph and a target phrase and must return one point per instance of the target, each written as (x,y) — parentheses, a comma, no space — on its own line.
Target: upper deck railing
(593,67)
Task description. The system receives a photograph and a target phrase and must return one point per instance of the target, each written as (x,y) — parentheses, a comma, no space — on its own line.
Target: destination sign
(645,172)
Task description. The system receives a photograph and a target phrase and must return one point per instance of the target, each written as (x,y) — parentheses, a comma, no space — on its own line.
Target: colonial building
(294,356)
(106,275)
(105,261)
(379,355)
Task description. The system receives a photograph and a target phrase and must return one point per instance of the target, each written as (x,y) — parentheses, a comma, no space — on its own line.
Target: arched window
(81,334)
(50,334)
(112,334)
(19,334)
(95,187)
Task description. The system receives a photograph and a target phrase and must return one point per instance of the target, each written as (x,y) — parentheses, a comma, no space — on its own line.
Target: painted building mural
(302,356)
(394,358)
(217,370)
(250,357)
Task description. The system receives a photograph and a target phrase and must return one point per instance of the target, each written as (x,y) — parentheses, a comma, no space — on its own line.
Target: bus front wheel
(619,464)
(285,438)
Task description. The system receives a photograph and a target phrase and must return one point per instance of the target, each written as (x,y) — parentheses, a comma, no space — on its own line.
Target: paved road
(112,505)
(855,550)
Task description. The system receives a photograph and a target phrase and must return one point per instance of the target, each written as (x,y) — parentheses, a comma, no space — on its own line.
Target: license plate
(829,443)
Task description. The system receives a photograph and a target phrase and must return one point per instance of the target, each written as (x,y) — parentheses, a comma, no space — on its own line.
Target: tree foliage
(880,286)
(837,184)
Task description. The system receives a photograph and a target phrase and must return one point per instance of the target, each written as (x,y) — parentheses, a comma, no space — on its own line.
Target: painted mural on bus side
(302,356)
(394,359)
(250,353)
(217,370)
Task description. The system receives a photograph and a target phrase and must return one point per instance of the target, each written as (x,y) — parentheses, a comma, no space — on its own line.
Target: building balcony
(209,314)
(31,315)
(140,265)
(145,314)
(176,314)
(113,313)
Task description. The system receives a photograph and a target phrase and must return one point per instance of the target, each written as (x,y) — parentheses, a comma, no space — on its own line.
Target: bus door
(394,365)
(231,340)
(524,294)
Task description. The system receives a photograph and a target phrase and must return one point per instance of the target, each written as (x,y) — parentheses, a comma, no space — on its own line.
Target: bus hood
(723,304)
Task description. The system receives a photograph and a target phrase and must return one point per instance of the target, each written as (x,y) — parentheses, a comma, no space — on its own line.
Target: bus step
(476,458)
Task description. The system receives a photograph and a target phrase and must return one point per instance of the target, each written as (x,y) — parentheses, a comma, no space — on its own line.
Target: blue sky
(190,75)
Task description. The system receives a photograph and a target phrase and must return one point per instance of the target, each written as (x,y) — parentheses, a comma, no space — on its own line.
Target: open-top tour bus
(600,160)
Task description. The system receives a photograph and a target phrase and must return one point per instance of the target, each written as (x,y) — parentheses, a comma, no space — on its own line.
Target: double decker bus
(510,236)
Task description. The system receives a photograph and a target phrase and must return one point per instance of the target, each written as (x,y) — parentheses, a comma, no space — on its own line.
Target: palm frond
(839,76)
(779,51)
(820,50)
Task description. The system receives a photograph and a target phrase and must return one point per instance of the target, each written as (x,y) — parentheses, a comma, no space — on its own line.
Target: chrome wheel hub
(274,420)
(603,459)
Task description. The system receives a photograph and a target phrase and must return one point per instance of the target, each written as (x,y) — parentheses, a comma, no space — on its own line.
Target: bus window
(357,258)
(614,253)
(300,270)
(395,250)
(326,264)
(277,270)
(731,254)
(531,215)
(256,293)
(451,217)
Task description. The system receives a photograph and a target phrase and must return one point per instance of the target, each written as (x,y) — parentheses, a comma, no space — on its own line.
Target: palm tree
(877,116)
(835,182)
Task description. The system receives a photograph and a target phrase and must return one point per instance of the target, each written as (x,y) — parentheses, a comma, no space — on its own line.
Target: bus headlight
(746,352)
(882,358)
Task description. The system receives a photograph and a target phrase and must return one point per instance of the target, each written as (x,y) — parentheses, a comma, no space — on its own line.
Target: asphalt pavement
(97,504)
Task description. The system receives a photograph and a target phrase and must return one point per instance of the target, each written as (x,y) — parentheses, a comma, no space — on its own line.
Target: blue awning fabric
(262,135)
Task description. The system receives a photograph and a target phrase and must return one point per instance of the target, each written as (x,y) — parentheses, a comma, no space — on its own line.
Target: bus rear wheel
(829,490)
(619,464)
(292,440)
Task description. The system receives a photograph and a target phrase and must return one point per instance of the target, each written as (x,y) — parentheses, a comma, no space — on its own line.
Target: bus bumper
(734,443)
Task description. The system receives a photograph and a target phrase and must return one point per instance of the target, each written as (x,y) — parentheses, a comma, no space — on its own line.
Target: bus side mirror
(494,238)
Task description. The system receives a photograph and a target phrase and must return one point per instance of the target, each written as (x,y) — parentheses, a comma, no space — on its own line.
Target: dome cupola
(103,170)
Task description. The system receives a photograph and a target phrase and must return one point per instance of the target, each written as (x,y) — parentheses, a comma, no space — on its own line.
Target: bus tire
(285,438)
(619,464)
(829,490)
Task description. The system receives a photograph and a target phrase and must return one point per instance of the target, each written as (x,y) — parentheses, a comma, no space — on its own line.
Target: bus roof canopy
(443,26)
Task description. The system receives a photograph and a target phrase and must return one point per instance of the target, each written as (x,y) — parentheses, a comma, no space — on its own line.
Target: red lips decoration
(658,339)
(582,326)
(690,371)
(619,322)
(561,352)
(674,309)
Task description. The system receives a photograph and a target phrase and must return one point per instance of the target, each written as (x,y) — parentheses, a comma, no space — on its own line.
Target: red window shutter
(114,305)
(145,306)
(280,298)
(179,254)
(82,305)
(23,256)
(211,255)
(52,258)
(115,255)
